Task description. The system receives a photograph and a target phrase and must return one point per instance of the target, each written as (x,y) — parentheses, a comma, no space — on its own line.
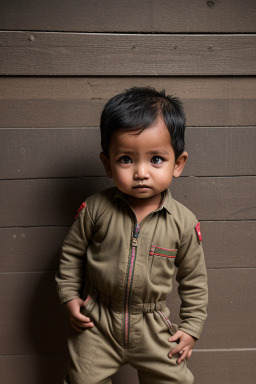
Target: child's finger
(175,337)
(181,358)
(82,318)
(76,328)
(184,356)
(82,325)
(176,350)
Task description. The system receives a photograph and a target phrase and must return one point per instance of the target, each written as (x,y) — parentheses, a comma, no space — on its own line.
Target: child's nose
(141,172)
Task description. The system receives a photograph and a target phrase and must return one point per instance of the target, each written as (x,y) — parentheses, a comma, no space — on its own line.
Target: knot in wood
(210,4)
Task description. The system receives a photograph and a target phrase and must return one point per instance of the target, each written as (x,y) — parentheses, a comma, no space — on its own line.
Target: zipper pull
(134,242)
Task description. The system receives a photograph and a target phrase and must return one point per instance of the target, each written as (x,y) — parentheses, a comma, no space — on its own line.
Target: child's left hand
(185,346)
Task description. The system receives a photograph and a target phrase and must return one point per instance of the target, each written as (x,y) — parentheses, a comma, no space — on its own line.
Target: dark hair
(138,108)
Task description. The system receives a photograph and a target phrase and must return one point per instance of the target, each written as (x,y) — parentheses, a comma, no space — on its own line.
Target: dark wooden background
(60,61)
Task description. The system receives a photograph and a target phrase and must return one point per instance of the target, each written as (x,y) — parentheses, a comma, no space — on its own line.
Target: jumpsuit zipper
(130,271)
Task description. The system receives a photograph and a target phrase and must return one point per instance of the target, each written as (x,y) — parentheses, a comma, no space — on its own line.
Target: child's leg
(95,356)
(164,378)
(151,357)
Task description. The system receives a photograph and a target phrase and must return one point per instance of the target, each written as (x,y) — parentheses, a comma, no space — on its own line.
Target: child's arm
(193,291)
(70,276)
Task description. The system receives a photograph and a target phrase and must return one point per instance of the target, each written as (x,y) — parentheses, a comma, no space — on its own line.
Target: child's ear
(180,164)
(106,163)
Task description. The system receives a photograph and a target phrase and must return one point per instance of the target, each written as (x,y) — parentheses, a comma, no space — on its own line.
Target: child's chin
(144,194)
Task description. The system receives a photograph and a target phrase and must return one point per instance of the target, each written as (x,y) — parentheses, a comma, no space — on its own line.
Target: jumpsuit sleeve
(193,288)
(70,276)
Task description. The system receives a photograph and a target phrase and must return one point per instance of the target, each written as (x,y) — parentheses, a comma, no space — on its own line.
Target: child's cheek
(122,177)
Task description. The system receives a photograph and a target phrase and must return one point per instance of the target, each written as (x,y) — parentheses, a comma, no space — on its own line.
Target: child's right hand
(78,321)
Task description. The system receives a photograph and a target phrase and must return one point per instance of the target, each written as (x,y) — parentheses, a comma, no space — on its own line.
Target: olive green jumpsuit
(124,272)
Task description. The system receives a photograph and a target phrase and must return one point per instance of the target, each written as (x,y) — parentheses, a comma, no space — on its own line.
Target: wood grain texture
(226,245)
(31,249)
(229,244)
(83,54)
(212,367)
(229,302)
(38,322)
(231,198)
(35,318)
(54,202)
(78,102)
(46,202)
(132,16)
(74,152)
(60,62)
(33,369)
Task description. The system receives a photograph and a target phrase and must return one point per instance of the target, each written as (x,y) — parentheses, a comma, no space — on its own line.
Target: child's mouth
(141,187)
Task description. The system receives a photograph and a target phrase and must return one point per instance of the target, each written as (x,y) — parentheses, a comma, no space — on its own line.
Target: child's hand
(78,321)
(185,346)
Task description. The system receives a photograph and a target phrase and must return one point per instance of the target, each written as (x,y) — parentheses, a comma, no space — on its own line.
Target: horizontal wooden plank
(220,367)
(37,324)
(54,202)
(229,303)
(73,152)
(223,367)
(46,202)
(221,151)
(229,244)
(133,16)
(83,54)
(33,369)
(226,245)
(78,102)
(31,249)
(218,198)
(42,153)
(210,368)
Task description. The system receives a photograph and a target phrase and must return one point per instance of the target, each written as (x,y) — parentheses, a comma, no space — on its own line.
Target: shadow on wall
(48,328)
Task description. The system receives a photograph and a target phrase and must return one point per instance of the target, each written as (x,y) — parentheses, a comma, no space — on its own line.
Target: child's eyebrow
(158,152)
(121,152)
(153,152)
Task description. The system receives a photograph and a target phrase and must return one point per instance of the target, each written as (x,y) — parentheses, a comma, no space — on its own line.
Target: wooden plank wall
(60,61)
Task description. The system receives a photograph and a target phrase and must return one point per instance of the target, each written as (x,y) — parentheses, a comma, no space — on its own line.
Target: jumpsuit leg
(151,357)
(95,355)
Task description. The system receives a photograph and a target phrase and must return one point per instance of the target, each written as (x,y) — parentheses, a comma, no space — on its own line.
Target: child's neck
(142,207)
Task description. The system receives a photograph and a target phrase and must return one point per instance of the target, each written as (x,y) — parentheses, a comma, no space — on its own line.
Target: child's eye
(157,160)
(125,160)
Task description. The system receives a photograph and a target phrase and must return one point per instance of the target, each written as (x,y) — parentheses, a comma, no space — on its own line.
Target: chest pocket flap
(161,265)
(164,252)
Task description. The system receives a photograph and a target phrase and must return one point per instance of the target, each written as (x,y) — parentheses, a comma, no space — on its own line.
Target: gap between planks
(194,350)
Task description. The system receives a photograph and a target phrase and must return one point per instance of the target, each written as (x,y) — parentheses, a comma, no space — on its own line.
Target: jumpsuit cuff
(68,297)
(192,332)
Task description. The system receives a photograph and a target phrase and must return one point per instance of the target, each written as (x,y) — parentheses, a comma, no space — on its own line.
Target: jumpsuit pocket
(88,305)
(171,327)
(167,322)
(161,261)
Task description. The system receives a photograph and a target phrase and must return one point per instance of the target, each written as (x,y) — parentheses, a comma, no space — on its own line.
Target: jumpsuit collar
(165,204)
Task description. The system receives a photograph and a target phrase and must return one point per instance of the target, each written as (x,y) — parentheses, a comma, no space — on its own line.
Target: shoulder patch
(198,232)
(82,206)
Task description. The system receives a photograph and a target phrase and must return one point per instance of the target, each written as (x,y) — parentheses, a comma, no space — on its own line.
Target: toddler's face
(142,164)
